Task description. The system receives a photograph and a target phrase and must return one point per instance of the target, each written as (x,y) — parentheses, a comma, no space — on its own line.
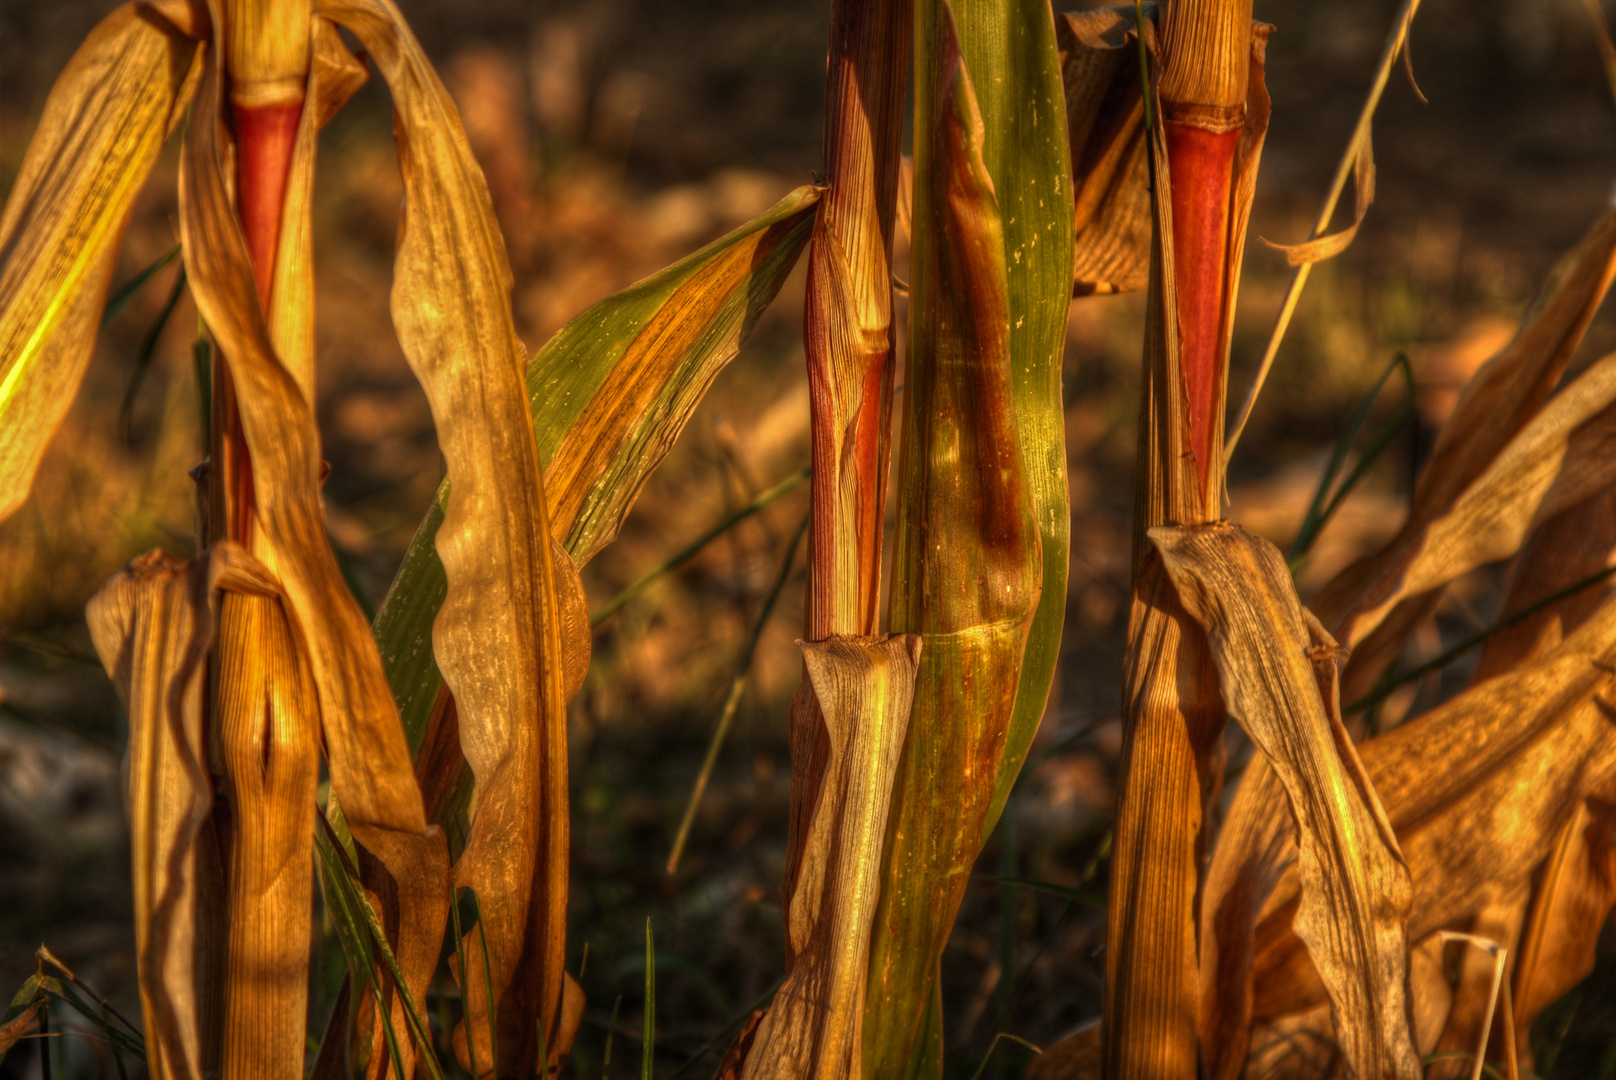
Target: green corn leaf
(1009,48)
(610,394)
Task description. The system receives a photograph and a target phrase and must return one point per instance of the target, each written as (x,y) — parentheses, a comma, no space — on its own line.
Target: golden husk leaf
(498,636)
(865,687)
(1278,677)
(104,124)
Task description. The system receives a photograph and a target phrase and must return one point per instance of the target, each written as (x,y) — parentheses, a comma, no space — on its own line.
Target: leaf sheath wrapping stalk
(865,687)
(1354,885)
(609,394)
(967,556)
(1009,47)
(105,122)
(368,757)
(847,321)
(497,638)
(1172,711)
(153,626)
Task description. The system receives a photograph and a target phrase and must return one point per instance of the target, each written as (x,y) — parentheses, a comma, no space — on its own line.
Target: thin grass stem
(1395,41)
(120,297)
(994,1045)
(690,550)
(648,1046)
(732,700)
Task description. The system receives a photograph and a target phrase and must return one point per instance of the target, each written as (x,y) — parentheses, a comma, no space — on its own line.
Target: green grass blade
(148,349)
(119,298)
(994,1045)
(648,1047)
(692,549)
(732,700)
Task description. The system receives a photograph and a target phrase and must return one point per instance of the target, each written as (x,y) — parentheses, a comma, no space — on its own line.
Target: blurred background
(618,136)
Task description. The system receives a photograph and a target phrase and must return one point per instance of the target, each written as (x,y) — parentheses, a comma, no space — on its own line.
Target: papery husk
(451,305)
(1278,676)
(107,117)
(1106,131)
(1478,792)
(610,394)
(1173,714)
(865,687)
(1503,395)
(1010,48)
(967,555)
(153,626)
(368,758)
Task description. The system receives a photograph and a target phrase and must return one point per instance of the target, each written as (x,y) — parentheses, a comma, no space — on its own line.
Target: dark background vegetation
(618,136)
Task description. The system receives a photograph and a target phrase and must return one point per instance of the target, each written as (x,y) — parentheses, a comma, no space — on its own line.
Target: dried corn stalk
(967,560)
(1206,154)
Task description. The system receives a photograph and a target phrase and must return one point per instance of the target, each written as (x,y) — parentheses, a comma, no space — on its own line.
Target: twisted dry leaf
(1278,678)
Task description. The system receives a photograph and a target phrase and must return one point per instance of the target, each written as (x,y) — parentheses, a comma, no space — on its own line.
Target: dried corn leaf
(368,757)
(104,124)
(1502,397)
(1566,550)
(153,626)
(1354,890)
(1009,47)
(451,305)
(1106,130)
(865,687)
(1562,456)
(967,557)
(642,358)
(1475,790)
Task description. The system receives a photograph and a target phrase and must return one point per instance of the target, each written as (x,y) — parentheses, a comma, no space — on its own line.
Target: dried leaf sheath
(865,687)
(369,761)
(967,558)
(104,124)
(1354,884)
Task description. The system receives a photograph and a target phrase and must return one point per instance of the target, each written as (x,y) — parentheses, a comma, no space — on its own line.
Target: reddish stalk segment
(1200,167)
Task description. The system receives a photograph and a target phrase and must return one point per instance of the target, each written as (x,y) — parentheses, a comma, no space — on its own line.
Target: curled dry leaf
(104,124)
(1278,677)
(609,395)
(1477,791)
(1333,244)
(451,305)
(864,687)
(1501,398)
(967,557)
(153,626)
(368,757)
(1106,128)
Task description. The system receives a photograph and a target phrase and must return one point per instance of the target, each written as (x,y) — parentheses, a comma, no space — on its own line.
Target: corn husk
(104,124)
(864,687)
(967,558)
(1503,396)
(1277,669)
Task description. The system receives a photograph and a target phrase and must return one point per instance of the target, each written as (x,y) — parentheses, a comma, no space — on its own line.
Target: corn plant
(1051,158)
